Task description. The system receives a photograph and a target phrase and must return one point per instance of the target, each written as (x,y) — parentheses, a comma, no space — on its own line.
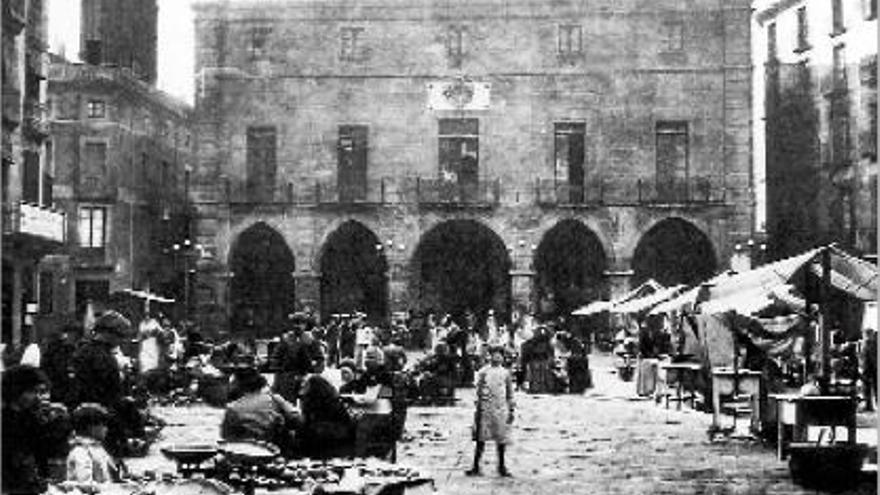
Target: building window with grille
(92,226)
(459,146)
(672,159)
(96,109)
(350,43)
(455,46)
(570,42)
(771,42)
(803,33)
(261,162)
(352,163)
(673,36)
(260,41)
(837,23)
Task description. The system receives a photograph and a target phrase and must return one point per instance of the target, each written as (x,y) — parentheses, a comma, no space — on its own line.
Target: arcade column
(308,290)
(619,277)
(398,285)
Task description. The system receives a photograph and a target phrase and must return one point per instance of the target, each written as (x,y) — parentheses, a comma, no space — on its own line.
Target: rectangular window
(839,67)
(459,146)
(96,109)
(352,163)
(261,162)
(92,226)
(94,160)
(48,174)
(870,9)
(260,41)
(350,49)
(802,30)
(30,177)
(570,41)
(46,291)
(672,159)
(569,150)
(673,36)
(771,42)
(837,23)
(455,46)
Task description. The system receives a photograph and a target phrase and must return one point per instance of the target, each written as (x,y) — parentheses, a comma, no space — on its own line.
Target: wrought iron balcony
(483,193)
(629,191)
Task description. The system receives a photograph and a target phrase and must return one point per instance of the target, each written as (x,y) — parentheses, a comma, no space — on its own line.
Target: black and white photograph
(439,247)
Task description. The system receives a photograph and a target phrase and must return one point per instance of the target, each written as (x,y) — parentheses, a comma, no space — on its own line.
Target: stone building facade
(452,155)
(121,150)
(122,33)
(32,227)
(819,65)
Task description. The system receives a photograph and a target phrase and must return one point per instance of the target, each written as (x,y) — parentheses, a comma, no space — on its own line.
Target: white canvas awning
(648,287)
(644,303)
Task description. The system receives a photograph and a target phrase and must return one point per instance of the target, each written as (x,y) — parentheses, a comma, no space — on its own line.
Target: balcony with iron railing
(29,221)
(630,191)
(488,192)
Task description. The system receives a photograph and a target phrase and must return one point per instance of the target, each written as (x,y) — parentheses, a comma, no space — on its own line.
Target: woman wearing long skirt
(495,408)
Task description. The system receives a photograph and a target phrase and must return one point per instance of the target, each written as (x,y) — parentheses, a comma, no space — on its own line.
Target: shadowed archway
(569,266)
(674,251)
(461,265)
(354,273)
(262,292)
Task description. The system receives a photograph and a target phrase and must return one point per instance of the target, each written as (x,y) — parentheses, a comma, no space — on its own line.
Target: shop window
(92,226)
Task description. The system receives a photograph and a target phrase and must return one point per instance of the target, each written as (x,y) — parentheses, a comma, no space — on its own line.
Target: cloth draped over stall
(648,287)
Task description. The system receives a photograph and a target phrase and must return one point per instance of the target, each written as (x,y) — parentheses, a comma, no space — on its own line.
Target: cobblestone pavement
(602,442)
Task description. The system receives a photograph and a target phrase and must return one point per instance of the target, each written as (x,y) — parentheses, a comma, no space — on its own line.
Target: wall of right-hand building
(817,60)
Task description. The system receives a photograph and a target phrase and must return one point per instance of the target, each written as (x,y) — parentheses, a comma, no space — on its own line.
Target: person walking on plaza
(495,410)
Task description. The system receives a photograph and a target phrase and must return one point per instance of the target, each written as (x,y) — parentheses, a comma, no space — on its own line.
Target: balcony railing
(34,221)
(440,192)
(485,193)
(611,191)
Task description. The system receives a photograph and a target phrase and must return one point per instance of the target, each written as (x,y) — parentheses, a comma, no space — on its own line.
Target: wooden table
(740,383)
(684,375)
(799,412)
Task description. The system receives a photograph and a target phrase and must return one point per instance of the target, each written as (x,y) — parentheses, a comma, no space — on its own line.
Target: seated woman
(259,414)
(328,426)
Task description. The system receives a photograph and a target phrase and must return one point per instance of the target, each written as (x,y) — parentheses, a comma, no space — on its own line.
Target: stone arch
(569,265)
(354,272)
(262,288)
(460,265)
(674,251)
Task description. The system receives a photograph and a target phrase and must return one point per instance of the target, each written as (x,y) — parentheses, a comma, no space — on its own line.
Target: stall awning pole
(824,335)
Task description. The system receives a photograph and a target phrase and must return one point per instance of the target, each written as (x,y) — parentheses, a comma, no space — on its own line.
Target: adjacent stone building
(454,155)
(121,153)
(32,228)
(122,33)
(819,65)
